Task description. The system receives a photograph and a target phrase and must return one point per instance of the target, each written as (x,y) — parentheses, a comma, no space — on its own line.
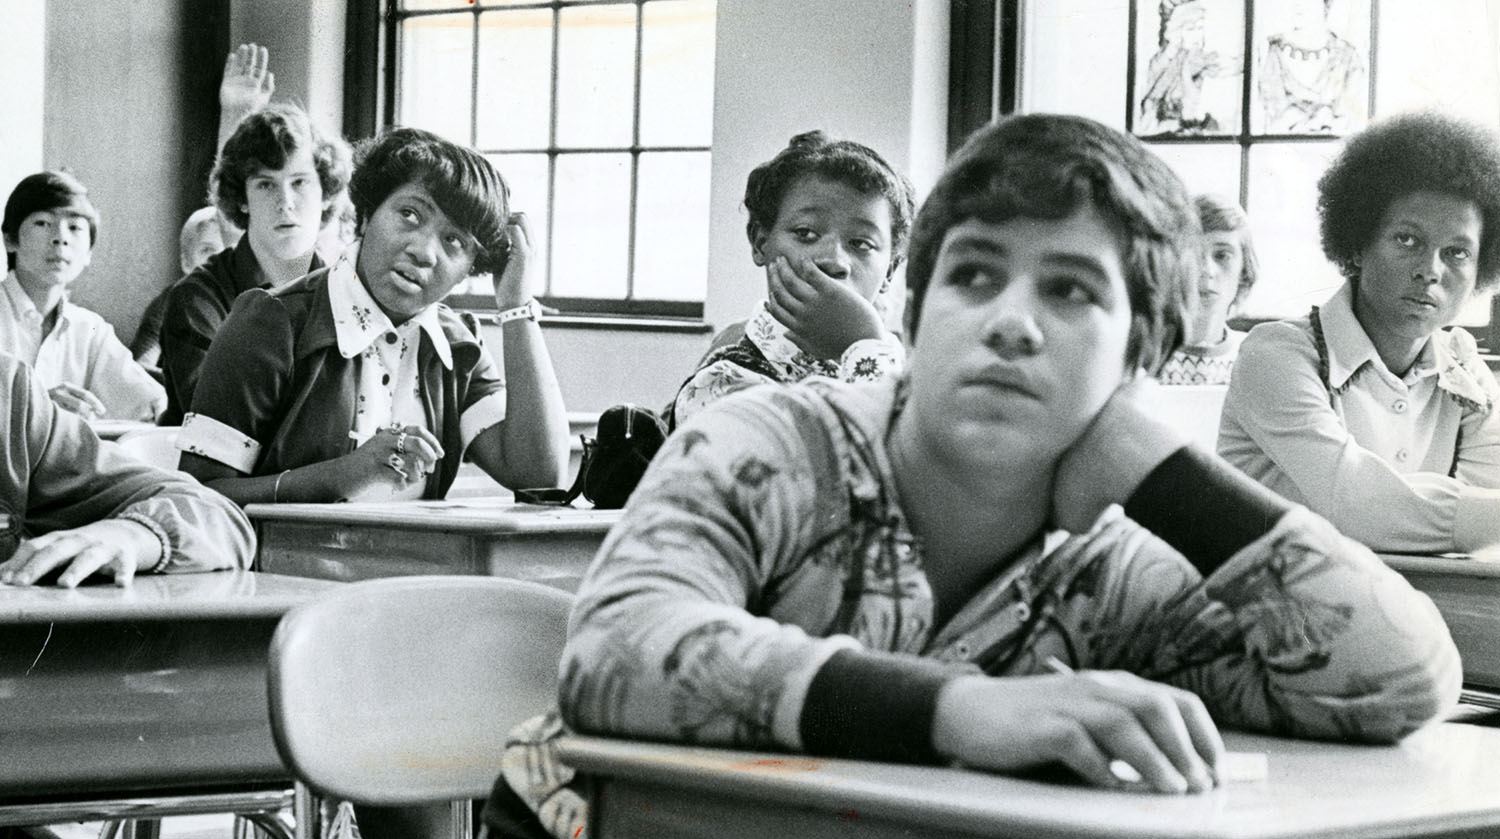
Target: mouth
(408,276)
(1421,302)
(1003,380)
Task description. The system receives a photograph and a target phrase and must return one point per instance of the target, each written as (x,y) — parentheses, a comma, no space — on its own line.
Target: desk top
(1443,778)
(161,597)
(1457,565)
(114,429)
(463,515)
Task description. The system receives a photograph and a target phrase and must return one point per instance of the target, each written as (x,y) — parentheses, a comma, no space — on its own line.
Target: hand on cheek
(823,315)
(117,547)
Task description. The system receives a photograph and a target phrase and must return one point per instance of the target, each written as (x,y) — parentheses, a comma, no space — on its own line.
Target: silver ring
(397,463)
(401,442)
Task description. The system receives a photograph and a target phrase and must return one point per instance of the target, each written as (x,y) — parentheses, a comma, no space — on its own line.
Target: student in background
(883,570)
(50,228)
(202,236)
(72,507)
(1367,410)
(355,381)
(828,222)
(276,178)
(1209,346)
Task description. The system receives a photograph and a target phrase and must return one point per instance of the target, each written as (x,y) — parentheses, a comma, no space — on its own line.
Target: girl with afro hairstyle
(1367,410)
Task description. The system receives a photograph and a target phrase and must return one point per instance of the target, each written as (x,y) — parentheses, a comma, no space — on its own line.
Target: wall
(306,42)
(22,78)
(125,112)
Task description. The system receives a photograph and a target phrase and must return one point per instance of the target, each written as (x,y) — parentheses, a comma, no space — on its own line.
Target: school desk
(493,536)
(1466,591)
(1442,781)
(152,689)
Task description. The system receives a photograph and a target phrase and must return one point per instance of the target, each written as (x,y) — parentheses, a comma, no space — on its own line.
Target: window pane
(1445,59)
(671,226)
(1283,196)
(591,231)
(515,72)
(437,74)
(1204,167)
(595,76)
(677,73)
(526,174)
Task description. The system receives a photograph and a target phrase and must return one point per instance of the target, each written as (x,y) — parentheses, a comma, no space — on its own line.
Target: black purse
(628,436)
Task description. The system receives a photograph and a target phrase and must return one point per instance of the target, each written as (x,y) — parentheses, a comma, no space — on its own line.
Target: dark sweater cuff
(873,706)
(1203,507)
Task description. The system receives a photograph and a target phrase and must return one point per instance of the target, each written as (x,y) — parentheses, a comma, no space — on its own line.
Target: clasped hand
(394,456)
(823,315)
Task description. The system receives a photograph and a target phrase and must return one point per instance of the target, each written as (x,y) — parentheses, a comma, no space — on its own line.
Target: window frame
(375,28)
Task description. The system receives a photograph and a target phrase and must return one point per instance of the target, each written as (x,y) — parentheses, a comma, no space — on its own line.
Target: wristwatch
(530,310)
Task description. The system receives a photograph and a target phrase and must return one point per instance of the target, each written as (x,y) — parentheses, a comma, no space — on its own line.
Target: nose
(1431,270)
(1011,329)
(833,260)
(421,250)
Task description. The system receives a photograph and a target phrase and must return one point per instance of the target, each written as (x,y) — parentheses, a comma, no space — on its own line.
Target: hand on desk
(395,457)
(1083,721)
(78,400)
(115,546)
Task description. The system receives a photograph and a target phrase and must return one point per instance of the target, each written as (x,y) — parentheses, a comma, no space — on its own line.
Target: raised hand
(1085,721)
(248,82)
(823,315)
(513,286)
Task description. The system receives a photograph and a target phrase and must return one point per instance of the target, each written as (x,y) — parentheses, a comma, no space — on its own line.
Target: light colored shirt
(1402,463)
(1210,365)
(80,350)
(865,360)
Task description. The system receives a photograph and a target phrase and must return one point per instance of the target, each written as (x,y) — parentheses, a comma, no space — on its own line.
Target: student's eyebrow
(1077,262)
(967,245)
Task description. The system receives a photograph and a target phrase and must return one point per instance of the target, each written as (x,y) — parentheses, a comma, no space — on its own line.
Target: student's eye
(864,246)
(971,276)
(804,234)
(1223,255)
(455,242)
(1459,254)
(1070,290)
(409,213)
(1406,240)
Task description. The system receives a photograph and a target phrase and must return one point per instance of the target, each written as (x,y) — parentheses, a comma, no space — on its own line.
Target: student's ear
(11,245)
(758,239)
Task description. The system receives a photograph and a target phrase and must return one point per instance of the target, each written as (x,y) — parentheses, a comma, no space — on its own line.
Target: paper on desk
(1234,766)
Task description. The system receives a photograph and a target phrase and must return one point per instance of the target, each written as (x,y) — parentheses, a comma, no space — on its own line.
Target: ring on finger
(400,442)
(397,464)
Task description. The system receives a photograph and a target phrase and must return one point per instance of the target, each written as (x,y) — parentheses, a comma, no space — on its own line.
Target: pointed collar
(22,303)
(1444,354)
(358,320)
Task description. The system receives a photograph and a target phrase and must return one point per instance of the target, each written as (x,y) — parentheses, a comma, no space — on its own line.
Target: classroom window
(1253,98)
(600,116)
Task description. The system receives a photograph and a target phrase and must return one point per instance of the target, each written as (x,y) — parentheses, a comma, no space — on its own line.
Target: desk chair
(156,446)
(1193,409)
(401,691)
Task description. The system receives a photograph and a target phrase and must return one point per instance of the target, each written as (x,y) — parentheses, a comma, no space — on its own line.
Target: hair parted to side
(53,189)
(813,153)
(1048,166)
(466,186)
(1418,152)
(1217,214)
(265,139)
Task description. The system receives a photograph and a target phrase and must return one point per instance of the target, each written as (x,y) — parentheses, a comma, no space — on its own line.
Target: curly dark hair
(1047,166)
(265,140)
(466,186)
(842,161)
(1418,152)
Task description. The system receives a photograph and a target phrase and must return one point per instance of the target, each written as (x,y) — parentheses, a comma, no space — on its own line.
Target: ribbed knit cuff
(873,706)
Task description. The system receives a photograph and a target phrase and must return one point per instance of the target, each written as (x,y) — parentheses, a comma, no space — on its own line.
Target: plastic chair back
(402,690)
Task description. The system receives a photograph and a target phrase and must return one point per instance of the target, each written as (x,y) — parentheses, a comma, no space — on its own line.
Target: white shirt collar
(22,304)
(358,321)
